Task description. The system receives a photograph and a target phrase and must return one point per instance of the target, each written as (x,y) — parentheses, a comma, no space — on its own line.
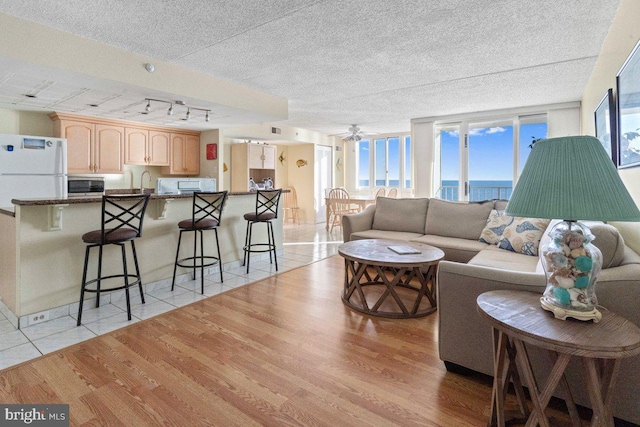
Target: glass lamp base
(562,313)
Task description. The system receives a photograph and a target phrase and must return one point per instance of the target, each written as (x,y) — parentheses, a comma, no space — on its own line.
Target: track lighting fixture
(187,116)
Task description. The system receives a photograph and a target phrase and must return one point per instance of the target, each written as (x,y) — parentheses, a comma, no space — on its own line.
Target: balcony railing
(476,194)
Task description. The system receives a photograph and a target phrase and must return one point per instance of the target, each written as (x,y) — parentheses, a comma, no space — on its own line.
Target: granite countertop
(97,199)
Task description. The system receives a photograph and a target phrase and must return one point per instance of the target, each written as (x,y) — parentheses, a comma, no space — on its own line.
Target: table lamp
(571,179)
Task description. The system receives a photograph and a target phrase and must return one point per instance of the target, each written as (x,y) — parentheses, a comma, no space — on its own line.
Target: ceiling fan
(354,134)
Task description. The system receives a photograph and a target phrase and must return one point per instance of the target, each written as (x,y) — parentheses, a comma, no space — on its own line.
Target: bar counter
(42,253)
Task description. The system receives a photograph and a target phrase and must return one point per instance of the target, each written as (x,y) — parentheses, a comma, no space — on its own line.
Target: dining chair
(379,192)
(339,206)
(291,208)
(393,192)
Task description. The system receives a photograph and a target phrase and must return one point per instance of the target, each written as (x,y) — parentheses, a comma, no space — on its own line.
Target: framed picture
(628,91)
(606,130)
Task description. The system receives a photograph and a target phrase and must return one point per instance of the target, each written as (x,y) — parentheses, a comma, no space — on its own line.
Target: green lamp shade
(571,178)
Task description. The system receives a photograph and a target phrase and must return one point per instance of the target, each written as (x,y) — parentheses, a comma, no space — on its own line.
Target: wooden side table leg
(568,397)
(597,385)
(499,377)
(537,415)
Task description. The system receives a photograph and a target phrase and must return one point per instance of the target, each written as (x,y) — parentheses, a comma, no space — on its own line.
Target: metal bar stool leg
(219,256)
(99,276)
(84,281)
(273,240)
(135,263)
(269,243)
(246,244)
(201,262)
(175,265)
(248,251)
(126,280)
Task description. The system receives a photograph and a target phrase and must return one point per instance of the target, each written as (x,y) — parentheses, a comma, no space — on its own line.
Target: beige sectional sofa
(472,267)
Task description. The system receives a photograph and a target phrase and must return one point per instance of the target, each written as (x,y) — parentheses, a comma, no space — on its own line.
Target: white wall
(622,37)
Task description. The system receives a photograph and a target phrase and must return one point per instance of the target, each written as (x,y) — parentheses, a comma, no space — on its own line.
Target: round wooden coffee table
(381,282)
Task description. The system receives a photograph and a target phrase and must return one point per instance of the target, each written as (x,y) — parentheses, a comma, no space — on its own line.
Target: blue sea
(478,190)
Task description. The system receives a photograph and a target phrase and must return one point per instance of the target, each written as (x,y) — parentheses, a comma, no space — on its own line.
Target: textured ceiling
(371,62)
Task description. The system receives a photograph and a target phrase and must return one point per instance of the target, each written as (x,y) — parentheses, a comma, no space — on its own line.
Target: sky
(490,151)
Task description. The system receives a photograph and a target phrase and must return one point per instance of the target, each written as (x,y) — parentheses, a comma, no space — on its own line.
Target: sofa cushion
(457,219)
(407,215)
(455,249)
(382,234)
(611,244)
(523,235)
(497,258)
(496,223)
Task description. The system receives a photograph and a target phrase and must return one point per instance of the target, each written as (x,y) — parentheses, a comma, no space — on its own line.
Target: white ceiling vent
(276,131)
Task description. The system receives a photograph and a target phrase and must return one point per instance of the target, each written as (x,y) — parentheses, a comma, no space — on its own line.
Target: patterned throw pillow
(523,235)
(496,223)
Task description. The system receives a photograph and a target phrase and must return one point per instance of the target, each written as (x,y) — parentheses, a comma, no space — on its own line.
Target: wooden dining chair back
(338,205)
(378,192)
(393,192)
(291,208)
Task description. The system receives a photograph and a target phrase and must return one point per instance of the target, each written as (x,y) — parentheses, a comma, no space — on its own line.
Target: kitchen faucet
(142,180)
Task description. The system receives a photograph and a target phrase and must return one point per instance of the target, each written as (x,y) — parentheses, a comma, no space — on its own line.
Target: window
(363,163)
(391,160)
(480,160)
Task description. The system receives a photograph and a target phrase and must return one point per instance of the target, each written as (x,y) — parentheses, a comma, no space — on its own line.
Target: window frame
(403,173)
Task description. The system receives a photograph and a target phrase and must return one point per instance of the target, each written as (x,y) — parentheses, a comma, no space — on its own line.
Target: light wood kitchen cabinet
(252,161)
(92,148)
(185,155)
(146,147)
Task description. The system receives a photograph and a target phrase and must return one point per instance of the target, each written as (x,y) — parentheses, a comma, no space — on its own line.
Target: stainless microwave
(84,186)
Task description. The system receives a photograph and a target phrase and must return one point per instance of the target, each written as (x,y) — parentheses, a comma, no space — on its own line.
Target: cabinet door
(176,165)
(158,148)
(192,155)
(109,146)
(80,137)
(135,146)
(255,156)
(269,159)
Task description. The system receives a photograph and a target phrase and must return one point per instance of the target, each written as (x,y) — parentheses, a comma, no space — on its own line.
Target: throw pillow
(496,223)
(611,244)
(523,235)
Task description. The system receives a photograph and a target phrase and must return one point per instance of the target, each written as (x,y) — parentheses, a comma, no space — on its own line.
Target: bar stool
(206,214)
(122,218)
(266,210)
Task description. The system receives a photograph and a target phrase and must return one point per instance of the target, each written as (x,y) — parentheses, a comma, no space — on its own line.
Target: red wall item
(212,151)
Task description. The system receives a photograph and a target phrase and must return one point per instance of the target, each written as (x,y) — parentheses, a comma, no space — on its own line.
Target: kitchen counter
(42,249)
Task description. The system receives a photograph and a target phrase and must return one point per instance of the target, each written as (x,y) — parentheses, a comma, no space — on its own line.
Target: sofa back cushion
(406,215)
(457,219)
(611,244)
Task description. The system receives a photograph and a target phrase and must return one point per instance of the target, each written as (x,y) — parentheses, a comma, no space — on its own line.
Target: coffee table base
(396,293)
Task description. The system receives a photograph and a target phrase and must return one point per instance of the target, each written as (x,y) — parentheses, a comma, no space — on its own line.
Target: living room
(359,406)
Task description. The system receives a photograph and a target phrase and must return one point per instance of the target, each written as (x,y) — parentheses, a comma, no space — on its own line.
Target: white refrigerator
(32,167)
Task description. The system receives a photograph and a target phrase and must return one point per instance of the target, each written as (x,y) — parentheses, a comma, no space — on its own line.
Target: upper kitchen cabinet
(261,156)
(255,161)
(184,155)
(146,147)
(91,147)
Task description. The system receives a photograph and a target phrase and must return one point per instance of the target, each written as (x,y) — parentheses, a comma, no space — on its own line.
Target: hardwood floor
(281,351)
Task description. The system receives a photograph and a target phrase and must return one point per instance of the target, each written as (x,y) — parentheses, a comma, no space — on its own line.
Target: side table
(517,318)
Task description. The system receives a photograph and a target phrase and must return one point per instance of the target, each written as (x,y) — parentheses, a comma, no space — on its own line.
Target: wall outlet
(36,318)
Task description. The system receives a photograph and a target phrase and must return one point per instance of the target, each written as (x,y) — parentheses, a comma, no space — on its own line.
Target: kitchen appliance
(85,186)
(32,167)
(184,185)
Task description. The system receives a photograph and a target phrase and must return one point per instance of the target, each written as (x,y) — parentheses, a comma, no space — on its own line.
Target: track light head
(206,117)
(170,110)
(188,115)
(148,107)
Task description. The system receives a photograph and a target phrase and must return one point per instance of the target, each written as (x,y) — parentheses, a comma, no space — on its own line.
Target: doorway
(323,170)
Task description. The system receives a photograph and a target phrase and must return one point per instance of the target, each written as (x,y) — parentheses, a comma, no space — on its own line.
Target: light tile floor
(303,244)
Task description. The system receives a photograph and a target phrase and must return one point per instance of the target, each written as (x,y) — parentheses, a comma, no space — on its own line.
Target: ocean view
(478,190)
